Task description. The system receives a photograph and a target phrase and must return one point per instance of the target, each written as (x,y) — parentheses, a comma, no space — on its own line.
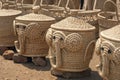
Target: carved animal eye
(61,38)
(54,37)
(102,48)
(109,51)
(24,27)
(17,26)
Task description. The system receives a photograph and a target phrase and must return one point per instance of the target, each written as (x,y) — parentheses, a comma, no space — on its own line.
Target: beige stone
(108,49)
(71,43)
(31,30)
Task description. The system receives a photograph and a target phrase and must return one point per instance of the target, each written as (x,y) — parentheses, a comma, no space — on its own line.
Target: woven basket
(99,5)
(71,43)
(25,5)
(108,48)
(89,16)
(55,11)
(31,38)
(8,4)
(7,36)
(108,19)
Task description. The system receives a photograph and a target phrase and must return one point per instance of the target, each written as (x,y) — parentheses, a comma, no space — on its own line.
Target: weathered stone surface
(39,61)
(19,58)
(70,75)
(8,54)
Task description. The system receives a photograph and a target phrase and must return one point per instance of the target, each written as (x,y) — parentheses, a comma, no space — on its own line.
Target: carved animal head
(109,56)
(58,37)
(107,49)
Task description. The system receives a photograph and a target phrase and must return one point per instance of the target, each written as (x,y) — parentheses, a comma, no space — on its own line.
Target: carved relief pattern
(73,42)
(49,37)
(107,48)
(110,60)
(34,31)
(60,36)
(116,56)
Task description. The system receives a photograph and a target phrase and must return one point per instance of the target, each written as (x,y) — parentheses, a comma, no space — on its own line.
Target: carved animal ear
(49,36)
(109,46)
(97,47)
(116,56)
(73,42)
(34,31)
(89,51)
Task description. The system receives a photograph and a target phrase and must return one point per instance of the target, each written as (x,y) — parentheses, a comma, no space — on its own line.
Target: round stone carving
(34,31)
(73,42)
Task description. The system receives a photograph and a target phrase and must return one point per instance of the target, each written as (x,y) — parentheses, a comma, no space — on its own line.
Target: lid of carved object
(35,17)
(112,33)
(9,12)
(74,24)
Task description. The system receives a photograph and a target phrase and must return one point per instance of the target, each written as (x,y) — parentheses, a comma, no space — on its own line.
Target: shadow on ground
(30,65)
(94,76)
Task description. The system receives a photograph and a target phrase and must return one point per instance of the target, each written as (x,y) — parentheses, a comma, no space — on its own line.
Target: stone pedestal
(19,58)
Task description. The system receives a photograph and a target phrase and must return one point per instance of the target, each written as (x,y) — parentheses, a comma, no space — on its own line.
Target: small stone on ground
(8,54)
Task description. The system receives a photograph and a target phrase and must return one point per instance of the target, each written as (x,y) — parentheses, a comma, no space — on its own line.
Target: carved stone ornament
(108,48)
(31,30)
(71,44)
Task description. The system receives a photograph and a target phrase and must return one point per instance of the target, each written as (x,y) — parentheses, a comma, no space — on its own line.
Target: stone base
(39,61)
(69,75)
(19,58)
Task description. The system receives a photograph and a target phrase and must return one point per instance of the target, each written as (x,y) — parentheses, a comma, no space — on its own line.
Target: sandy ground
(28,71)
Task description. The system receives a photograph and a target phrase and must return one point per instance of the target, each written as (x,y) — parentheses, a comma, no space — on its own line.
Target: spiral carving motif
(34,31)
(73,42)
(116,56)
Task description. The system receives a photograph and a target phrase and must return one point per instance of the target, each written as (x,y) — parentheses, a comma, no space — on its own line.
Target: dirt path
(28,71)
